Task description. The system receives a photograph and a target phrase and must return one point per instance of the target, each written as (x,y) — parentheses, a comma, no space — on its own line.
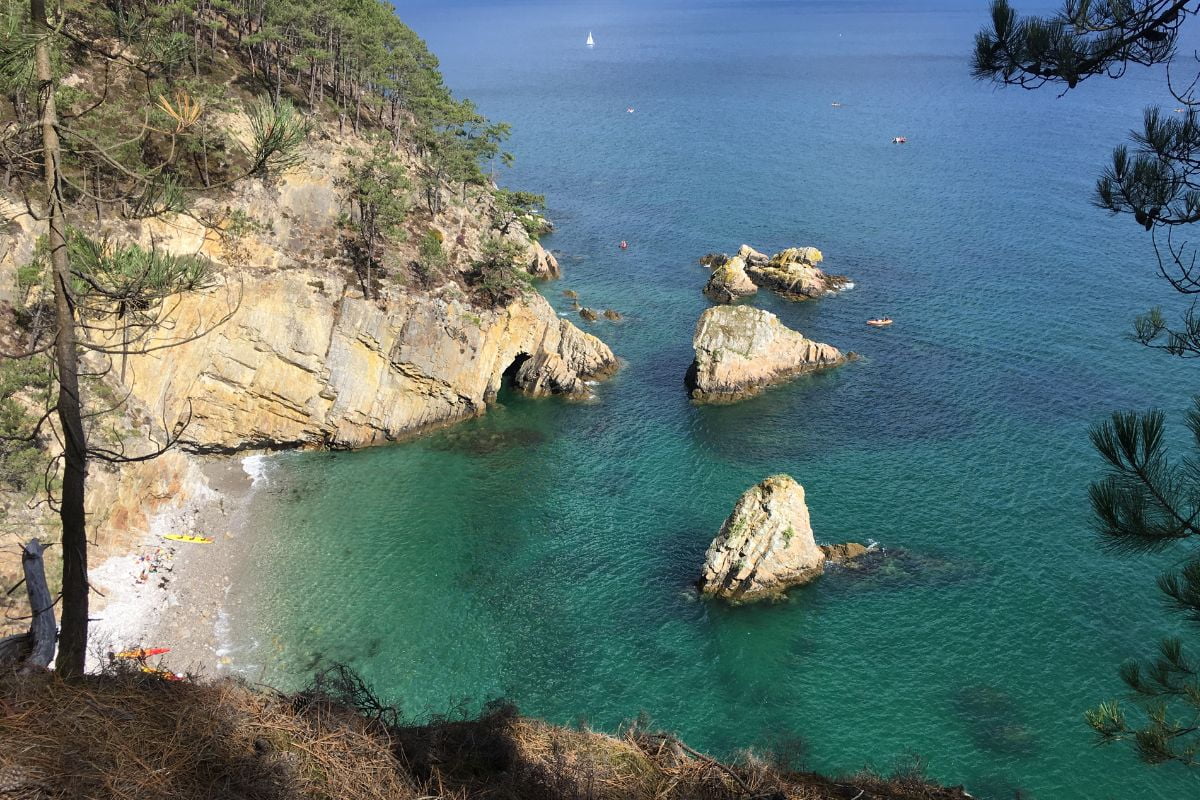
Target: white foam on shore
(257,468)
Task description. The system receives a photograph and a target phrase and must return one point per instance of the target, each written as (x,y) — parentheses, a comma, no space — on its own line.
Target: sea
(546,552)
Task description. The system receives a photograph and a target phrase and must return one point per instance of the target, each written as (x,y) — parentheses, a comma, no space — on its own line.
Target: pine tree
(1145,502)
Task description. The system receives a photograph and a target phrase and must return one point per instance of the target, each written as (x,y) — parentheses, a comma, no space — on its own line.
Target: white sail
(591,42)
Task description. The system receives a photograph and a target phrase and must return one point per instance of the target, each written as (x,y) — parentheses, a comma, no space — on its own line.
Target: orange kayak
(143,652)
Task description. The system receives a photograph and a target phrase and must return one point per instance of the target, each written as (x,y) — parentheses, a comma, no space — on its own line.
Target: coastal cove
(547,551)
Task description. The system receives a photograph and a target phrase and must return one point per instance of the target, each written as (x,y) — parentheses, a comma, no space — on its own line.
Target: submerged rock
(765,546)
(794,274)
(571,294)
(482,441)
(729,282)
(742,350)
(612,314)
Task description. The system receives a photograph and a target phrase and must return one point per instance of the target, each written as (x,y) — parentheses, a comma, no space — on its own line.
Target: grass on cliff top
(127,735)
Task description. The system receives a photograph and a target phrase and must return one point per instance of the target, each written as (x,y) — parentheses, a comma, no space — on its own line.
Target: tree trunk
(73,641)
(35,649)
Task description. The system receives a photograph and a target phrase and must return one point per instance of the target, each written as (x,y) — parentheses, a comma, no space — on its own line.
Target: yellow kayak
(179,537)
(165,674)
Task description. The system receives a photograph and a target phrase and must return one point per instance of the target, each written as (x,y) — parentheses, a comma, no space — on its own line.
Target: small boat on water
(881,322)
(836,104)
(899,140)
(590,41)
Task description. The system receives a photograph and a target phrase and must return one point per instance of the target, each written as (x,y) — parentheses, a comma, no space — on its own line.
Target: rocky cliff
(742,350)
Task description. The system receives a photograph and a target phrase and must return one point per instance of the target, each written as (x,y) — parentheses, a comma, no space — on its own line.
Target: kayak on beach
(141,652)
(165,674)
(179,537)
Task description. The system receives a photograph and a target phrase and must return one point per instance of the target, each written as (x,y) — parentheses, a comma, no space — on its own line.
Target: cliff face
(303,361)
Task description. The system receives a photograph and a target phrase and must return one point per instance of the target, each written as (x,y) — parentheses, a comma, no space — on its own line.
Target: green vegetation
(1145,502)
(521,208)
(24,384)
(497,277)
(376,188)
(431,258)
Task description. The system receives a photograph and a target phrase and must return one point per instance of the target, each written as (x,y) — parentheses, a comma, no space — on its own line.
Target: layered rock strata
(765,546)
(742,350)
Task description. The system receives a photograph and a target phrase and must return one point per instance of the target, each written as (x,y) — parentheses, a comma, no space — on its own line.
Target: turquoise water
(545,552)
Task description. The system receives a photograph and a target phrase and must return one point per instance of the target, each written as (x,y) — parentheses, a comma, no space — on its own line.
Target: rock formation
(589,314)
(752,256)
(741,350)
(543,265)
(794,274)
(547,373)
(297,365)
(765,546)
(729,282)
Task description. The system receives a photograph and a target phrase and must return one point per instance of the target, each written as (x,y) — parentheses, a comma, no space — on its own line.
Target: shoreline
(173,594)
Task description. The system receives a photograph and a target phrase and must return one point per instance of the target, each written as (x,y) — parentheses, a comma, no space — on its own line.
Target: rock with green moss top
(765,547)
(729,282)
(742,350)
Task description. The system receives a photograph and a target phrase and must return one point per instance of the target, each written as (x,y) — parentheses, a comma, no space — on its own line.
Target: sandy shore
(172,594)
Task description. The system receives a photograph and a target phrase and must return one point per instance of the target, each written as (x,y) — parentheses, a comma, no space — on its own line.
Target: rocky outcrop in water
(794,274)
(729,282)
(742,350)
(765,546)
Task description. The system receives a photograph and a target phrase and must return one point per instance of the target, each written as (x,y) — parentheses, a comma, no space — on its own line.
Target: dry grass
(129,735)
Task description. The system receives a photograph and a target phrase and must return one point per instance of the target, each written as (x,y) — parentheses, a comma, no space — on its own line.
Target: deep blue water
(545,552)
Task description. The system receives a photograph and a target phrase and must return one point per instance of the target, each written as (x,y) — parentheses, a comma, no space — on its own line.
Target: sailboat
(591,42)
